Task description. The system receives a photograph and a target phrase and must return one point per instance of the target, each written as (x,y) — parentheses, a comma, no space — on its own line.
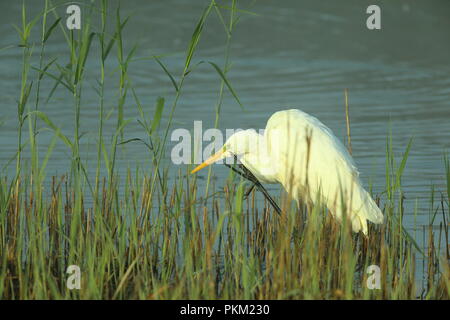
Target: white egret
(302,154)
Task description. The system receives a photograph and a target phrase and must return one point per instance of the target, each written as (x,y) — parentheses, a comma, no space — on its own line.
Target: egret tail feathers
(365,209)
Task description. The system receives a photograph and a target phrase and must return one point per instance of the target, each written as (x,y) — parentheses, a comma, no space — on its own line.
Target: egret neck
(257,158)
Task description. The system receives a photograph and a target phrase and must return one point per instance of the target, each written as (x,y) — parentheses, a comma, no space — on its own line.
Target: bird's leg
(268,197)
(242,171)
(242,174)
(239,172)
(249,176)
(262,189)
(249,191)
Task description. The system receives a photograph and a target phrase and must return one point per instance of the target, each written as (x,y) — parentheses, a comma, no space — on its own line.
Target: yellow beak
(210,160)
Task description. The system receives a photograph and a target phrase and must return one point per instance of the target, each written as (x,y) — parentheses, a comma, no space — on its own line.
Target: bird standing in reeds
(308,160)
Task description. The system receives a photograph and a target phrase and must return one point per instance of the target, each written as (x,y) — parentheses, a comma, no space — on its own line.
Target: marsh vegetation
(155,233)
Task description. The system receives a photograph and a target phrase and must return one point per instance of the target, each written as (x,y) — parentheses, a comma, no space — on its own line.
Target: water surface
(290,54)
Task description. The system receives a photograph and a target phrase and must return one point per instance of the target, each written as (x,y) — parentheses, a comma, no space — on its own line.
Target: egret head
(239,143)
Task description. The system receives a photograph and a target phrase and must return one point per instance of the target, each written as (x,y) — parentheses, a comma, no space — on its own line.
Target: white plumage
(302,154)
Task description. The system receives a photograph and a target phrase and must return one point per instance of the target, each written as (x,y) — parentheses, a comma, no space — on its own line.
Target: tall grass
(145,238)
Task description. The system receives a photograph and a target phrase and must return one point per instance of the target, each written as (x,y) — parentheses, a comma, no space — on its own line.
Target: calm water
(299,54)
